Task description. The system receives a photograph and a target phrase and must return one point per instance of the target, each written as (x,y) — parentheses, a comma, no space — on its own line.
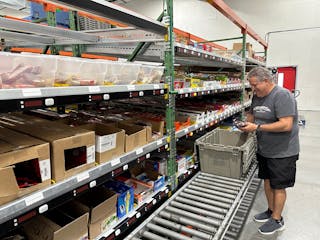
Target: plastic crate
(226,153)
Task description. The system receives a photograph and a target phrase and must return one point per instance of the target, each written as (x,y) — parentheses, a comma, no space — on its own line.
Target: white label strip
(36,197)
(115,162)
(31,92)
(149,200)
(117,232)
(91,154)
(139,151)
(131,87)
(94,89)
(82,176)
(131,214)
(159,142)
(125,167)
(138,215)
(106,142)
(156,86)
(186,130)
(45,169)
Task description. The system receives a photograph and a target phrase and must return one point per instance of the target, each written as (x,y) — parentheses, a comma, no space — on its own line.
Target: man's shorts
(280,171)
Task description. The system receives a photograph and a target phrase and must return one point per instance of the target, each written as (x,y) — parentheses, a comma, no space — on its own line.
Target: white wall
(292,48)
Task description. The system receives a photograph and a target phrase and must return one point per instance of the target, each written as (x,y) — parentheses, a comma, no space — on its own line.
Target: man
(273,115)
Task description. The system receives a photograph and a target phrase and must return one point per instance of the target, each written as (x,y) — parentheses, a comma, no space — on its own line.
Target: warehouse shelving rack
(17,212)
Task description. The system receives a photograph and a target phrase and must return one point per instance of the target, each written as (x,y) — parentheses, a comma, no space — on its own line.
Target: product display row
(39,70)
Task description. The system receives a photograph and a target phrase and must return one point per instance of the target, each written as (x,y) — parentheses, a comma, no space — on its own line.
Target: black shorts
(280,171)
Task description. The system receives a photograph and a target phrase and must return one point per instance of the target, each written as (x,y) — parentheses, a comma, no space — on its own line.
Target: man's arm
(284,124)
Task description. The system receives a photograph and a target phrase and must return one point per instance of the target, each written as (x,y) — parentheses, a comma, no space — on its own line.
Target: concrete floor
(302,209)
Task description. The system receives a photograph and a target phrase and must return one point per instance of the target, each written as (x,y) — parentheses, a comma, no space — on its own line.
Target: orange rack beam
(222,7)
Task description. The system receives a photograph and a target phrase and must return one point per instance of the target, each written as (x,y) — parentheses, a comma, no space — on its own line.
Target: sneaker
(263,217)
(272,226)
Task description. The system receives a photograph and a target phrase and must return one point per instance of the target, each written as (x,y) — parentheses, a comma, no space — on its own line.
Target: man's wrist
(258,128)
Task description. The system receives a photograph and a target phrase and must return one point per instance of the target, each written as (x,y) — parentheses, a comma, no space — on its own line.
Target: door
(287,78)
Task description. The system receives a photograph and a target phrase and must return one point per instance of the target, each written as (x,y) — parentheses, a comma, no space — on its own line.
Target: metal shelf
(208,122)
(31,98)
(194,92)
(16,212)
(188,55)
(254,62)
(184,54)
(115,12)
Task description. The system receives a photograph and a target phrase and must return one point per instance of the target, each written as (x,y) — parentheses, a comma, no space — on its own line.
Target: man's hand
(249,127)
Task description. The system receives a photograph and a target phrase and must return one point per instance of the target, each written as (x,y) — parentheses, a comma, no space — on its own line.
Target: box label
(106,143)
(90,154)
(45,169)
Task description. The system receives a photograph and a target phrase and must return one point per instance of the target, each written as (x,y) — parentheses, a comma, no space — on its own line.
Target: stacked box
(24,164)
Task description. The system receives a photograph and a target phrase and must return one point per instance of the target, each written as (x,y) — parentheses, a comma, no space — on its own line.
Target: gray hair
(261,74)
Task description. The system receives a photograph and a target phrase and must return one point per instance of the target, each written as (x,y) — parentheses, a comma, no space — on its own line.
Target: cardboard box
(101,204)
(147,176)
(65,223)
(23,159)
(136,136)
(154,128)
(141,190)
(238,47)
(110,141)
(72,149)
(125,197)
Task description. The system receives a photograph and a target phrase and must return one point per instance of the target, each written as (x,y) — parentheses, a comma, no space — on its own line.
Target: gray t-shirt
(279,103)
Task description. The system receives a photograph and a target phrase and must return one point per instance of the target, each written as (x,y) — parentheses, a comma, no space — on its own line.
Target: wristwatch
(258,128)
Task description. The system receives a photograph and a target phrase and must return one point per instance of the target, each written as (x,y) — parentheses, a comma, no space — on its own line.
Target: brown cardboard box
(238,47)
(109,141)
(101,204)
(19,154)
(156,130)
(65,144)
(68,222)
(136,136)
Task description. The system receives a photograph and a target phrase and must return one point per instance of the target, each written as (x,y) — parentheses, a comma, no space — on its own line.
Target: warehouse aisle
(301,213)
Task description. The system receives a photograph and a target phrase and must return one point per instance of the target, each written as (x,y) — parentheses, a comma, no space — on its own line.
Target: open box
(110,141)
(148,176)
(136,136)
(24,164)
(100,203)
(154,128)
(64,223)
(72,150)
(125,196)
(141,190)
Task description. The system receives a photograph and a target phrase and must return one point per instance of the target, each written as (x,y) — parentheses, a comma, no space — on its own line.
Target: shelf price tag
(117,232)
(131,87)
(125,167)
(31,92)
(159,142)
(115,162)
(186,130)
(139,151)
(94,89)
(33,198)
(156,86)
(82,176)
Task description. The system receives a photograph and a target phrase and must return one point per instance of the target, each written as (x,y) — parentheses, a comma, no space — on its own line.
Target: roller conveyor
(207,207)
